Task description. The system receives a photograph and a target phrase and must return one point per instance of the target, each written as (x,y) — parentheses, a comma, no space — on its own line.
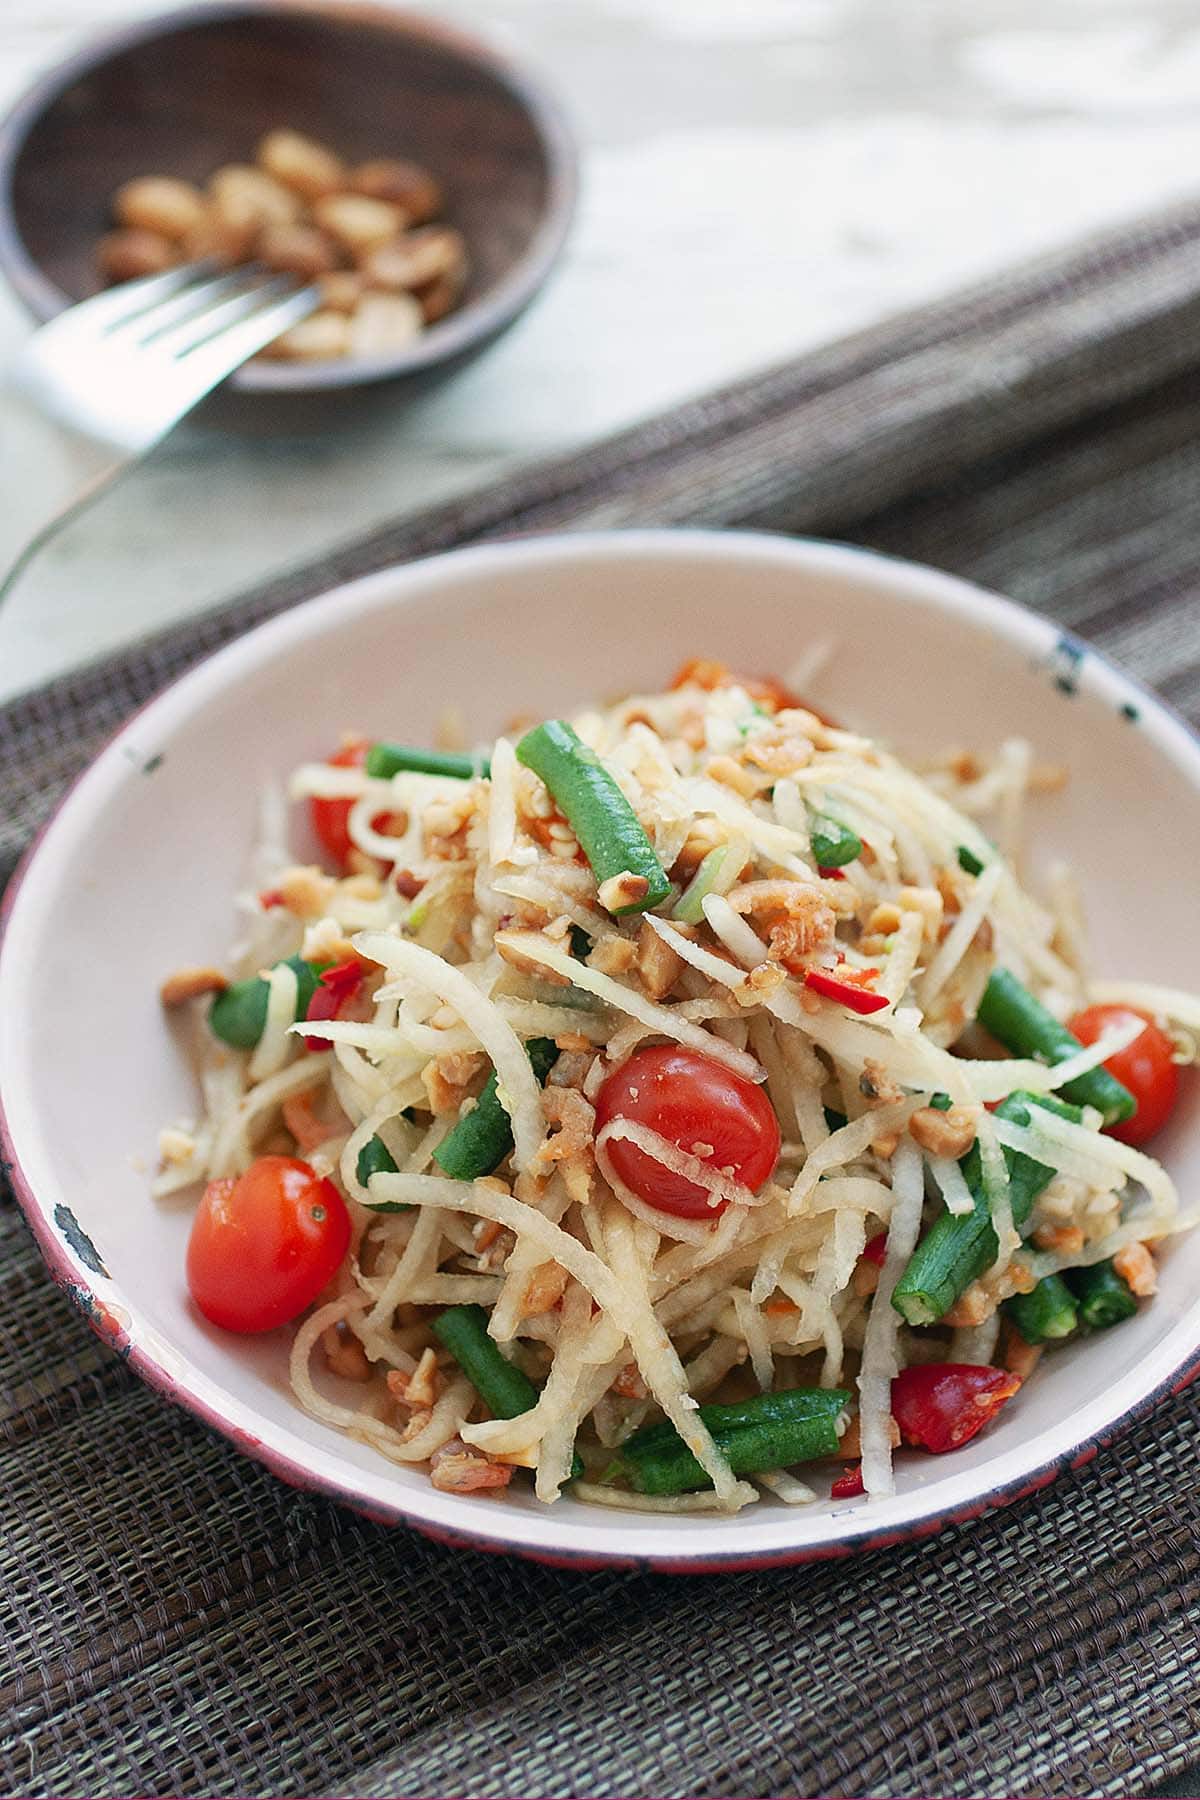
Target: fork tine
(225,350)
(192,332)
(146,326)
(103,312)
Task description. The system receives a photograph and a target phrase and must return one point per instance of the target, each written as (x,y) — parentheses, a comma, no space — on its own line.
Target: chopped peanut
(885,1144)
(622,890)
(447,1078)
(613,956)
(659,966)
(876,1085)
(544,1289)
(733,775)
(927,902)
(573,1042)
(1136,1266)
(779,752)
(944,1133)
(306,892)
(705,835)
(191,982)
(972,1307)
(575,1119)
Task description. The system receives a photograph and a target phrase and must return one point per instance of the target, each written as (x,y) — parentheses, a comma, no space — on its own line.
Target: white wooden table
(759,175)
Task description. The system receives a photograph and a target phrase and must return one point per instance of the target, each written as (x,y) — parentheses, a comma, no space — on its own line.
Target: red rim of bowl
(472,325)
(71,1276)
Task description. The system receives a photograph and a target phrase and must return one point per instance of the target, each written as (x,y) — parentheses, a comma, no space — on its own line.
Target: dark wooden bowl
(182,93)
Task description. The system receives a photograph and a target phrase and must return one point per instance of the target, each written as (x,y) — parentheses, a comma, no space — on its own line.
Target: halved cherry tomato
(331,818)
(848,1486)
(702,1107)
(265,1243)
(1146,1067)
(336,987)
(939,1406)
(876,1249)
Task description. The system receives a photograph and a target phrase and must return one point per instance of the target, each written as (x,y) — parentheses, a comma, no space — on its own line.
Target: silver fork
(95,389)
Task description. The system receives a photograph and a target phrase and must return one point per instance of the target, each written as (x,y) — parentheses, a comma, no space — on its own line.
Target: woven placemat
(175,1621)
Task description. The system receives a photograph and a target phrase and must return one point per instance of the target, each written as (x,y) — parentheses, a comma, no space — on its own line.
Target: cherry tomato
(331,818)
(265,1243)
(702,1107)
(939,1406)
(336,990)
(1146,1068)
(849,1485)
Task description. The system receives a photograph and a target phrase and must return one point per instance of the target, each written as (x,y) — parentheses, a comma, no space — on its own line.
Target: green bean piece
(505,1390)
(689,908)
(781,1407)
(832,842)
(483,1137)
(1046,1314)
(607,827)
(940,1102)
(376,1159)
(386,760)
(238,1015)
(968,861)
(1104,1298)
(958,1247)
(666,1467)
(1023,1025)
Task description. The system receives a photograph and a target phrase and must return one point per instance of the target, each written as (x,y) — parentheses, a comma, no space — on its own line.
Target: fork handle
(51,473)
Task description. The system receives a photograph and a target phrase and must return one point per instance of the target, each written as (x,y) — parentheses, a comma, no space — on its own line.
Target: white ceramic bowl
(135,873)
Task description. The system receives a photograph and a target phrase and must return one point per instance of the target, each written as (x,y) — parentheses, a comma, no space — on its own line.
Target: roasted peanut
(341,290)
(308,168)
(125,255)
(419,257)
(438,298)
(659,965)
(404,184)
(246,198)
(159,203)
(948,1133)
(190,983)
(322,334)
(384,322)
(357,223)
(297,250)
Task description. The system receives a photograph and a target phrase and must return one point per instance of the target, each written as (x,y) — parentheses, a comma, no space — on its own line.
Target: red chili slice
(336,988)
(848,1486)
(846,992)
(876,1249)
